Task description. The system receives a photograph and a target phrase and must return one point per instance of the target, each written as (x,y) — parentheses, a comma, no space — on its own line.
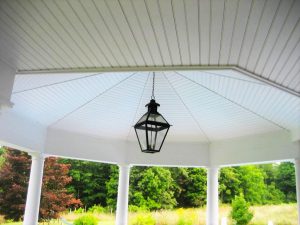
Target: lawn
(284,214)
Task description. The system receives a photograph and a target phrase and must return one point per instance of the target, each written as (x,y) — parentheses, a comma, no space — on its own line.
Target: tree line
(73,183)
(156,188)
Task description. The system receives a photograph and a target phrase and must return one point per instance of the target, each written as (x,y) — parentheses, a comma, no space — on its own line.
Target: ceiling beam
(161,68)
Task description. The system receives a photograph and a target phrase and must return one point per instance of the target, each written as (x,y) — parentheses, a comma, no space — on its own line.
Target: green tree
(89,181)
(252,184)
(112,188)
(285,180)
(152,188)
(229,184)
(240,212)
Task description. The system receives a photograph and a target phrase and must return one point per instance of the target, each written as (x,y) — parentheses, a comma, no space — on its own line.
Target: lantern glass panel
(143,118)
(156,135)
(157,118)
(141,133)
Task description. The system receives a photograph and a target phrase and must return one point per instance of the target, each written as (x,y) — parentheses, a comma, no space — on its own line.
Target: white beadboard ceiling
(202,106)
(260,36)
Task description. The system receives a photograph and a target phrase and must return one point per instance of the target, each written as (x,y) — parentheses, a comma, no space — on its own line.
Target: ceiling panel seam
(138,106)
(235,103)
(56,83)
(188,109)
(91,100)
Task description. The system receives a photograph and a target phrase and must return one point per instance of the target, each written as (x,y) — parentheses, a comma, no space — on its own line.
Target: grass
(284,214)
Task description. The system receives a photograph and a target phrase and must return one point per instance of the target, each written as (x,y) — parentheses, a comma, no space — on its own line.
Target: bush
(79,210)
(134,208)
(143,219)
(97,209)
(86,220)
(240,211)
(186,217)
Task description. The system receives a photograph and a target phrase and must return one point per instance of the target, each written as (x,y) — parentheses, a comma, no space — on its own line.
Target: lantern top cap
(152,103)
(152,106)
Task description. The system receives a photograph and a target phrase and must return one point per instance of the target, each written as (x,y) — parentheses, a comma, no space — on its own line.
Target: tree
(252,184)
(55,198)
(13,184)
(152,189)
(229,184)
(14,181)
(240,212)
(285,180)
(89,181)
(112,188)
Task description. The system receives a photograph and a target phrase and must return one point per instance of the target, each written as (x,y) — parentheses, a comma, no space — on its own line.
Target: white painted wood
(229,21)
(297,173)
(7,76)
(217,31)
(32,207)
(205,21)
(123,195)
(212,196)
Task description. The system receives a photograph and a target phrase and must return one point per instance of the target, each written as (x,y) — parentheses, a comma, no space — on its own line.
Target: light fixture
(152,128)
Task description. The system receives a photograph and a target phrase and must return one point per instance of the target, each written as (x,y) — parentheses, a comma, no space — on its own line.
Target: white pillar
(123,189)
(297,170)
(34,190)
(212,196)
(7,77)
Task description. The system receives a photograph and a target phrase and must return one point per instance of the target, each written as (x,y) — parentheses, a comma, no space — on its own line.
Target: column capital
(124,165)
(213,167)
(37,155)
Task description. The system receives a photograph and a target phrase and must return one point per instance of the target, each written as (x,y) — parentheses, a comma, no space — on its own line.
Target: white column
(123,189)
(34,190)
(297,170)
(7,77)
(212,196)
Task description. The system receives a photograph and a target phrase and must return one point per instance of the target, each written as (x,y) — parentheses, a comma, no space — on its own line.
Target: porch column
(123,189)
(34,190)
(7,77)
(212,196)
(297,170)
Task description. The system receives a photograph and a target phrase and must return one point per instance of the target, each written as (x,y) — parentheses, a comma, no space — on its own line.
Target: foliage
(14,182)
(190,186)
(112,188)
(285,181)
(86,220)
(143,219)
(252,184)
(55,198)
(240,211)
(89,181)
(229,184)
(153,189)
(184,218)
(97,209)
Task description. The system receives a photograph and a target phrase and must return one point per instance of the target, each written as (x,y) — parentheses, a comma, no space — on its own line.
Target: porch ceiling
(203,106)
(259,36)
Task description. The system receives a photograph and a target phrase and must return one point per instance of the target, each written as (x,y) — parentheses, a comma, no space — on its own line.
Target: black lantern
(151,130)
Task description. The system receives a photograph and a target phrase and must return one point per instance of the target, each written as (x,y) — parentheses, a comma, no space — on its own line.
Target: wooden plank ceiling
(260,36)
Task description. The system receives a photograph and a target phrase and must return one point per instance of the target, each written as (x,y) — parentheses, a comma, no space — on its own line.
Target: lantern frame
(146,125)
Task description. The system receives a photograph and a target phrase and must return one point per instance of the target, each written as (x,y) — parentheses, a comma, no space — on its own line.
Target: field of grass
(285,214)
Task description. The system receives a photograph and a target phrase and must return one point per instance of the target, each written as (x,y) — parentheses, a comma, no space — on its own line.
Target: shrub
(143,219)
(79,210)
(240,211)
(97,209)
(134,208)
(86,220)
(185,217)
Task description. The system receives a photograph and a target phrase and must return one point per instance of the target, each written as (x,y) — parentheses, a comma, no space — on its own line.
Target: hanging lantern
(152,129)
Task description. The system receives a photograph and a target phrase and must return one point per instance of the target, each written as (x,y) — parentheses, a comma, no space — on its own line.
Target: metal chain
(152,96)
